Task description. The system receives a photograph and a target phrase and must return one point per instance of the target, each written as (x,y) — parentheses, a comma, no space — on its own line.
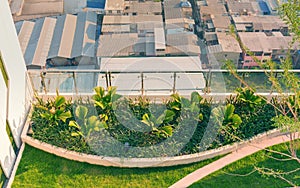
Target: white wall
(7,155)
(17,105)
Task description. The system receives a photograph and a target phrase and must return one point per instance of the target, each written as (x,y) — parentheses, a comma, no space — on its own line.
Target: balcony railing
(151,83)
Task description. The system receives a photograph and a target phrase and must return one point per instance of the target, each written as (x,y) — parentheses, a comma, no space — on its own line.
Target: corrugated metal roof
(57,36)
(36,51)
(24,34)
(74,36)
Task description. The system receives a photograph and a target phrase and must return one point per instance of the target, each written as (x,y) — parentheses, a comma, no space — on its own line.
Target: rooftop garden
(111,125)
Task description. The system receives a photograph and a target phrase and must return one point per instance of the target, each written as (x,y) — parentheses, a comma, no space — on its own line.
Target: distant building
(260,24)
(227,48)
(265,46)
(32,9)
(243,7)
(65,40)
(114,7)
(182,44)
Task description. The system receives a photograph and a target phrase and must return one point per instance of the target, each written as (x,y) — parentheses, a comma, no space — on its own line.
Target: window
(267,54)
(118,11)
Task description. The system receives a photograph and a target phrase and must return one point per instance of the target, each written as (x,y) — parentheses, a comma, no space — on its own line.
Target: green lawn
(40,169)
(224,178)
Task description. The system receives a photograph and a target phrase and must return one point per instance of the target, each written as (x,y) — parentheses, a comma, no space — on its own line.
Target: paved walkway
(230,158)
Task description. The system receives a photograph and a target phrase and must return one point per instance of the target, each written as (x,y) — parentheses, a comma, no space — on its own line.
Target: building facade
(15,95)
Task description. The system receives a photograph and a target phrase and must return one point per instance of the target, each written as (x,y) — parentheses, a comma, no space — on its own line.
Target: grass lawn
(40,169)
(224,178)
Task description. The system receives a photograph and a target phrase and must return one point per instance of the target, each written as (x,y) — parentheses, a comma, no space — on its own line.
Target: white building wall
(15,112)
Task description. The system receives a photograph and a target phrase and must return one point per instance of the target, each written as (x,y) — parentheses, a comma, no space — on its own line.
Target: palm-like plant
(248,97)
(227,120)
(86,125)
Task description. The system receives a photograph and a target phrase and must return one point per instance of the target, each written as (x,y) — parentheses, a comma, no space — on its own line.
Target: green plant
(228,122)
(104,99)
(86,124)
(249,98)
(53,111)
(160,125)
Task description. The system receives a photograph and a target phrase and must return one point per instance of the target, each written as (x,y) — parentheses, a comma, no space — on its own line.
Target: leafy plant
(55,110)
(160,125)
(249,98)
(86,124)
(228,121)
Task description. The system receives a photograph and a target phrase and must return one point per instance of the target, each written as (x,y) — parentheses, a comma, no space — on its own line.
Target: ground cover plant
(110,125)
(244,173)
(41,169)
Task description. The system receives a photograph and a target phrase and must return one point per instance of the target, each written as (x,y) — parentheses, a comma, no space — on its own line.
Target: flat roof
(259,22)
(114,5)
(117,19)
(191,63)
(159,38)
(259,41)
(221,21)
(146,7)
(228,43)
(117,44)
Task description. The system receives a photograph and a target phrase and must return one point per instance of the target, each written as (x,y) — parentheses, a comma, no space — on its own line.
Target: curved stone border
(141,162)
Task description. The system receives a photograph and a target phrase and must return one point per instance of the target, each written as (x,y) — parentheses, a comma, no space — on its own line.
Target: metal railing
(151,82)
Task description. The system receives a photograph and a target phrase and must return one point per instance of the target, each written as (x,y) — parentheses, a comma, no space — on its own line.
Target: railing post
(75,84)
(174,82)
(109,78)
(142,84)
(106,79)
(42,74)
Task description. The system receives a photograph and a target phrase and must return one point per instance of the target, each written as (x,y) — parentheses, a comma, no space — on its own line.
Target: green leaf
(185,103)
(99,91)
(46,115)
(59,101)
(64,116)
(228,111)
(236,119)
(195,97)
(168,130)
(100,104)
(169,116)
(81,112)
(93,121)
(176,97)
(194,107)
(76,134)
(74,124)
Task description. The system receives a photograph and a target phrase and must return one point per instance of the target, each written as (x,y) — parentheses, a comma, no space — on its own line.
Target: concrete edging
(142,162)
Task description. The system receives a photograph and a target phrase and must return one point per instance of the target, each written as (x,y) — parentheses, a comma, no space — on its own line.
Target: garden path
(228,159)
